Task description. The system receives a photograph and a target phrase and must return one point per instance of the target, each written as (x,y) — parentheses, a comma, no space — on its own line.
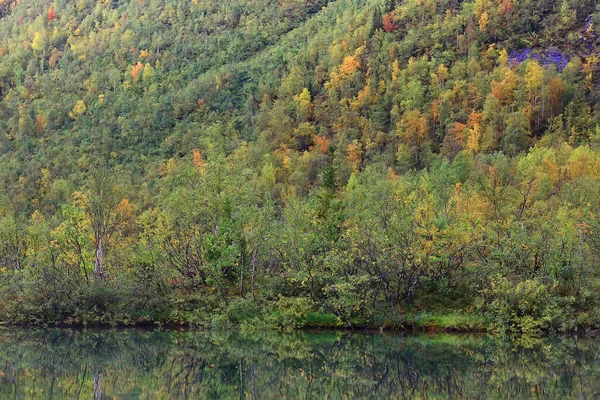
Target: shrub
(523,308)
(290,313)
(241,309)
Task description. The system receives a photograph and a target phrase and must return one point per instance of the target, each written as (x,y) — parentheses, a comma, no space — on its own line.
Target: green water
(133,364)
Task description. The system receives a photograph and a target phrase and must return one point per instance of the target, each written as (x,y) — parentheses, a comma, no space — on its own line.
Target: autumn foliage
(390,22)
(321,144)
(51,14)
(199,162)
(136,70)
(373,152)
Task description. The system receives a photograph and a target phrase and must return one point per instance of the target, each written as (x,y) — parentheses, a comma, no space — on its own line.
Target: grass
(447,322)
(321,320)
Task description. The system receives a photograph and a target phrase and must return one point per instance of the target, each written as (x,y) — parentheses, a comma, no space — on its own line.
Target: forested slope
(290,163)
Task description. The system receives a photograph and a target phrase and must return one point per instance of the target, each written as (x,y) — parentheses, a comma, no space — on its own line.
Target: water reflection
(130,364)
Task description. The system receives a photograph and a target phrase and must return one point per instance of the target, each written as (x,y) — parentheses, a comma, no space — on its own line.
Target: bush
(525,308)
(290,313)
(241,309)
(322,320)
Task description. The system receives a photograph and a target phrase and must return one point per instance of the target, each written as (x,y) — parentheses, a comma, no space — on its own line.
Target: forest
(282,164)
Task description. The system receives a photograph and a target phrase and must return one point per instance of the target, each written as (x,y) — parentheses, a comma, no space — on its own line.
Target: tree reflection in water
(55,363)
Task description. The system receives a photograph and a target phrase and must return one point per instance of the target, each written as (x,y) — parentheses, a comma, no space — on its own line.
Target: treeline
(280,164)
(514,240)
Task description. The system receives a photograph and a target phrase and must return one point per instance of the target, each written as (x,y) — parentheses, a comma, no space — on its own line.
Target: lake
(170,364)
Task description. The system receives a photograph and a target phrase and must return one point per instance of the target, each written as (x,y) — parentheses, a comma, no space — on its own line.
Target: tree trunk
(242,274)
(253,274)
(98,395)
(241,379)
(98,268)
(252,374)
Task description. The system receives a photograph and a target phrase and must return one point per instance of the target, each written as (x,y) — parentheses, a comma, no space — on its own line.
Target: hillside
(301,162)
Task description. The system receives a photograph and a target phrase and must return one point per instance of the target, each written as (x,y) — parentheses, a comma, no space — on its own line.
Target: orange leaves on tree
(51,14)
(453,142)
(506,8)
(284,154)
(199,162)
(40,123)
(413,132)
(458,132)
(321,144)
(474,119)
(349,66)
(583,161)
(390,22)
(136,70)
(505,89)
(355,153)
(550,168)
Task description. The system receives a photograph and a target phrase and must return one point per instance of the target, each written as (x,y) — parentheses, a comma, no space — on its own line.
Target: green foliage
(524,308)
(306,163)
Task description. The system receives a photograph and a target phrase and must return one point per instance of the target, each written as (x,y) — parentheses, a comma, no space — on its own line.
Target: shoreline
(406,329)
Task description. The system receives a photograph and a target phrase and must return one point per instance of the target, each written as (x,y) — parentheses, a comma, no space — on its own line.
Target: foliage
(300,163)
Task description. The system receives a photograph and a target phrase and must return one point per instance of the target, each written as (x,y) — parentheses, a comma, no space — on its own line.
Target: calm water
(129,364)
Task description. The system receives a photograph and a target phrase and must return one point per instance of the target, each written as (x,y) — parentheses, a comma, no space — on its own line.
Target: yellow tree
(474,134)
(304,106)
(106,211)
(39,46)
(534,81)
(414,134)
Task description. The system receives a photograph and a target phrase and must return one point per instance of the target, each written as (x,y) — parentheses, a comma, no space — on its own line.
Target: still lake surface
(169,364)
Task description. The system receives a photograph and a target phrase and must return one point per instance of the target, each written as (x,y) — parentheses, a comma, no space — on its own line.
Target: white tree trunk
(98,268)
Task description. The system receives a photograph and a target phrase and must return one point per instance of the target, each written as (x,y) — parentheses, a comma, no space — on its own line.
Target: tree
(12,243)
(516,135)
(136,70)
(414,133)
(390,22)
(376,21)
(534,81)
(51,14)
(106,210)
(390,5)
(304,107)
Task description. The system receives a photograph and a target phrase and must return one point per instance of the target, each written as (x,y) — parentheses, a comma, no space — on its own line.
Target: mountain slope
(289,163)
